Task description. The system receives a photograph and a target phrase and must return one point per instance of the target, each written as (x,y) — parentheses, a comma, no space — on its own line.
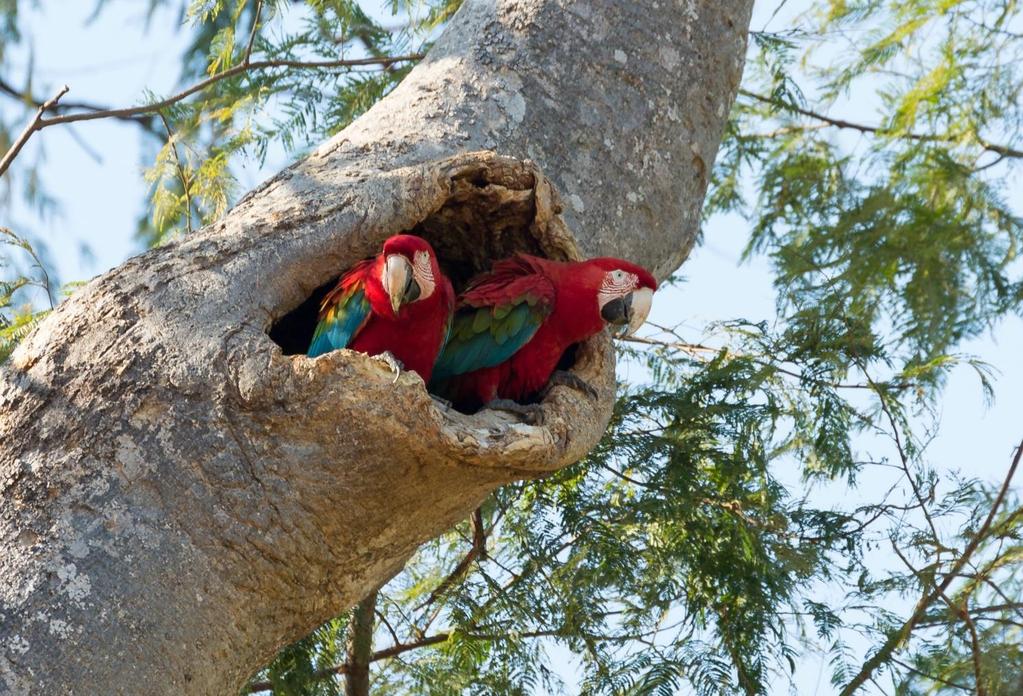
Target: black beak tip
(618,310)
(412,291)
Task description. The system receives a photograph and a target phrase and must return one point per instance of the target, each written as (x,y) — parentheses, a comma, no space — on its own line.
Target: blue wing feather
(340,322)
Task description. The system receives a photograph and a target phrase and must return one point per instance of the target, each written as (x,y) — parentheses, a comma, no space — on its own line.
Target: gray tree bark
(179,498)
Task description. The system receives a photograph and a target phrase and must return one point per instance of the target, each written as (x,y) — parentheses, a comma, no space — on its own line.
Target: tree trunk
(182,496)
(359,646)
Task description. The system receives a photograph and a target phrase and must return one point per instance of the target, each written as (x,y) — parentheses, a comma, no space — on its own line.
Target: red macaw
(397,305)
(513,324)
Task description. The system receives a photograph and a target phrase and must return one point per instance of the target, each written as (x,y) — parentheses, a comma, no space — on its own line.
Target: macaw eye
(619,276)
(423,272)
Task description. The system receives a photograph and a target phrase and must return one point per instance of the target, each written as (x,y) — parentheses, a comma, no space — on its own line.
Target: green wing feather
(499,314)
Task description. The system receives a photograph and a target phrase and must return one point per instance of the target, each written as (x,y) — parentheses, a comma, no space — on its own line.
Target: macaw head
(625,293)
(410,270)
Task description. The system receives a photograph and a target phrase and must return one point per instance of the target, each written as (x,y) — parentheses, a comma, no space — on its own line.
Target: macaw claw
(570,379)
(442,402)
(530,413)
(387,358)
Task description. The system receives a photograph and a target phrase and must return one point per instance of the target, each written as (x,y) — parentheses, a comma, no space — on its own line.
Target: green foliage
(296,670)
(9,33)
(292,106)
(18,318)
(672,555)
(917,200)
(944,660)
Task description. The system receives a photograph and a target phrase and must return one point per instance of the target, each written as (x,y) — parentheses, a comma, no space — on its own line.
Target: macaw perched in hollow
(397,306)
(513,324)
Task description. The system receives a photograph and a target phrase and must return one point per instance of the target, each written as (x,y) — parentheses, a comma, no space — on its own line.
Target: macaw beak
(629,311)
(397,280)
(642,299)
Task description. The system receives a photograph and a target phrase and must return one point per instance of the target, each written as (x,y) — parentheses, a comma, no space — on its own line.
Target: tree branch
(899,637)
(401,648)
(479,533)
(393,651)
(476,551)
(32,127)
(962,612)
(359,646)
(252,34)
(39,123)
(230,72)
(64,106)
(1002,150)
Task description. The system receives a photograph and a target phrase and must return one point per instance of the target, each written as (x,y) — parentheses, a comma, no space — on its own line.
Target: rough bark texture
(179,498)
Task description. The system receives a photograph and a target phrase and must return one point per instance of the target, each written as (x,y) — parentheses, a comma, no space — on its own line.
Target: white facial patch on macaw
(422,271)
(616,284)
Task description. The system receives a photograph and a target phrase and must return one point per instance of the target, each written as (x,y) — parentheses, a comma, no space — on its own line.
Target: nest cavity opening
(493,208)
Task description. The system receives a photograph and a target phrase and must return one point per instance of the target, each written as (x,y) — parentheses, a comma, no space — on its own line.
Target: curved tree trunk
(180,497)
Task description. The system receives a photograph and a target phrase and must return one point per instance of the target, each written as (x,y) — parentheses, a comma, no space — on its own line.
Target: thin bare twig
(903,457)
(925,675)
(476,551)
(697,351)
(86,147)
(390,629)
(31,128)
(143,121)
(252,34)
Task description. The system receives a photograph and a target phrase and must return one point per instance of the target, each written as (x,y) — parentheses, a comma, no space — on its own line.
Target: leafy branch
(15,327)
(39,123)
(8,237)
(435,639)
(1001,150)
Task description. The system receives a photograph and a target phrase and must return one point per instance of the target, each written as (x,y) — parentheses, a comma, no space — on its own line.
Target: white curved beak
(642,299)
(397,271)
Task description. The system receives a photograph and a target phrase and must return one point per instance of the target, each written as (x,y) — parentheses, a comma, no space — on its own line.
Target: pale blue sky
(113,62)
